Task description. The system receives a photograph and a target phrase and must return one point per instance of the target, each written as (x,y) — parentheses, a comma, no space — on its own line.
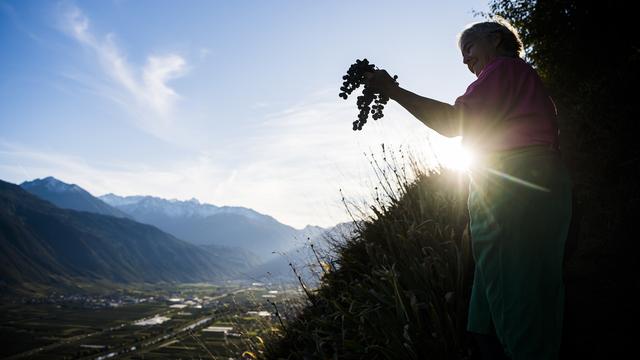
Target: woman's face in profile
(477,51)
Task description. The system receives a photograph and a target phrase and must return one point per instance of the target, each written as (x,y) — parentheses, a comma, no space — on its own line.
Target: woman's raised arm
(439,116)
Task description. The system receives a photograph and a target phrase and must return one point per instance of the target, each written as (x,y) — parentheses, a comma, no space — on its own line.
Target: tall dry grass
(398,287)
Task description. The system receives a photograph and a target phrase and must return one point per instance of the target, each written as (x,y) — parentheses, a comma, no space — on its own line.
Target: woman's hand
(380,81)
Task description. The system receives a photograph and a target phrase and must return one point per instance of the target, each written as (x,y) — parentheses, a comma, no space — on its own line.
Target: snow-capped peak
(171,207)
(51,184)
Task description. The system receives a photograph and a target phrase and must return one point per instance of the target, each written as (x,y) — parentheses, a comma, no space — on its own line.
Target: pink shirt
(507,107)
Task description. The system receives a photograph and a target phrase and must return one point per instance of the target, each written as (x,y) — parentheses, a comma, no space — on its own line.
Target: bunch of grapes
(353,79)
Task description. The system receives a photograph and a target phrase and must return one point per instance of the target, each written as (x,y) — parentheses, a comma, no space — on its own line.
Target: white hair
(510,40)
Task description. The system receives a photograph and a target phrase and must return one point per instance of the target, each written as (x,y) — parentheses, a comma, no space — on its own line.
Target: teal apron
(519,209)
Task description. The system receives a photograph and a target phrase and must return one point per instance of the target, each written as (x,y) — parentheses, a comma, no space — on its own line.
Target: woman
(519,192)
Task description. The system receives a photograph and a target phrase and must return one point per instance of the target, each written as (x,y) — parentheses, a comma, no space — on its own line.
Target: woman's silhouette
(519,192)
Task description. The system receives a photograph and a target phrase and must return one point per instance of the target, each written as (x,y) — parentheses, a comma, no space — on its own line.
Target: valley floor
(186,321)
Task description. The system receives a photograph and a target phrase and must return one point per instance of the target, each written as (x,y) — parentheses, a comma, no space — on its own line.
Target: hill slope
(303,257)
(398,288)
(42,243)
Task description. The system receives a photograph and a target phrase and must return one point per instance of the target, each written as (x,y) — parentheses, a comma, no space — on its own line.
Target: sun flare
(451,154)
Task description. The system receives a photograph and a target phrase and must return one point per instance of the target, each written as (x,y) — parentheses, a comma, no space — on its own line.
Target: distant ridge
(242,234)
(208,224)
(303,257)
(41,243)
(69,196)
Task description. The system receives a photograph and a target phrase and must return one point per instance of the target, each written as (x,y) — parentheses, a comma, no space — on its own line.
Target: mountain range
(42,243)
(304,258)
(57,233)
(212,225)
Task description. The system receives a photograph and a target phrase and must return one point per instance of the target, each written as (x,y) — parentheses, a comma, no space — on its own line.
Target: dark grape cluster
(353,80)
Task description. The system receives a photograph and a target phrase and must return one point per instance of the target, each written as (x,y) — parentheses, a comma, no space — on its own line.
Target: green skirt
(519,209)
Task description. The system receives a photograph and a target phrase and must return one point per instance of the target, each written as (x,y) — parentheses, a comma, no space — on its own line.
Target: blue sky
(229,102)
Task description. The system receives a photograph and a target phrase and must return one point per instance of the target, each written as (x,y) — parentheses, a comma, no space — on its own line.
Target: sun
(451,154)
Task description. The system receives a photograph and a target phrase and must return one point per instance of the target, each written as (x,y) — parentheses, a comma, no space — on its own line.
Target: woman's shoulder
(505,63)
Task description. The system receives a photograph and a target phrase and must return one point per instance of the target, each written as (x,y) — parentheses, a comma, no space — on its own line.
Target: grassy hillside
(399,288)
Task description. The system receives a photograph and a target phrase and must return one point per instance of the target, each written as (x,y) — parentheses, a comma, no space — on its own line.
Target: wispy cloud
(292,167)
(302,155)
(142,88)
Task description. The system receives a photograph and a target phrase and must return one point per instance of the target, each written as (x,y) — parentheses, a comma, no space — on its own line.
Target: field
(172,322)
